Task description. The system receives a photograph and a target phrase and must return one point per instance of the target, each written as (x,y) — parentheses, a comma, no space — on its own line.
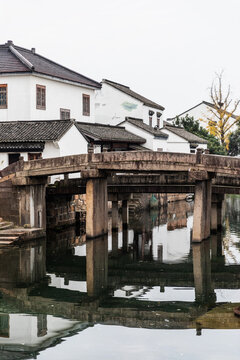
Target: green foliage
(234,143)
(193,126)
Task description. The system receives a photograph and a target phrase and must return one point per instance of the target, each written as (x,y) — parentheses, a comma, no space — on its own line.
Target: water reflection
(153,278)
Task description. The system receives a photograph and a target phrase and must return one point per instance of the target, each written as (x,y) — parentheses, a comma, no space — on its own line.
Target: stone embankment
(10,235)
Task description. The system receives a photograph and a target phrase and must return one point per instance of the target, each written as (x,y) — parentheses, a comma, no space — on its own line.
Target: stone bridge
(23,184)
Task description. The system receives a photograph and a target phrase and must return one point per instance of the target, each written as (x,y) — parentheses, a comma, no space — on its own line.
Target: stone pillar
(125,224)
(202,209)
(32,205)
(97,265)
(216,212)
(97,209)
(114,214)
(114,227)
(208,197)
(214,224)
(220,200)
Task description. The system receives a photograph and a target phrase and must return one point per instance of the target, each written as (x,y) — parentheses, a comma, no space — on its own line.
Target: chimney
(9,42)
(33,50)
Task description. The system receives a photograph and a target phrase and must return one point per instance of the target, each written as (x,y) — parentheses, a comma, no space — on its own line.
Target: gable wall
(112,106)
(73,143)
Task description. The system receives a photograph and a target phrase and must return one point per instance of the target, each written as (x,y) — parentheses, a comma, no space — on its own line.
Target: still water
(146,292)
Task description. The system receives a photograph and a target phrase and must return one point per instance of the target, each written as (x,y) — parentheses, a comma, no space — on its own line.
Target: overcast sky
(167,50)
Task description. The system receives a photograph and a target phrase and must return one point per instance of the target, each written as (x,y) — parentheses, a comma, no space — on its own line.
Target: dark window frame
(41,105)
(65,111)
(34,156)
(4,86)
(86,106)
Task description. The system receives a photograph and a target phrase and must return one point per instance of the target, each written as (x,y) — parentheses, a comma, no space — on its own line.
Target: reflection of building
(26,333)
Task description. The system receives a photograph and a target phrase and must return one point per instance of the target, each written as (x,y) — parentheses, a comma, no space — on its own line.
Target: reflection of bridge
(27,292)
(23,185)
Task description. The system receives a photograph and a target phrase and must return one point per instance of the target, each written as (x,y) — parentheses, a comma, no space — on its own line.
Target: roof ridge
(36,121)
(116,83)
(99,124)
(21,58)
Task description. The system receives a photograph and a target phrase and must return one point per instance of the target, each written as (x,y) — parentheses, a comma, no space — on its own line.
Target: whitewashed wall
(151,143)
(73,143)
(59,94)
(176,143)
(113,106)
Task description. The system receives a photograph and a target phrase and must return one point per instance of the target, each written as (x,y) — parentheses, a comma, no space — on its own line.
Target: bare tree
(221,116)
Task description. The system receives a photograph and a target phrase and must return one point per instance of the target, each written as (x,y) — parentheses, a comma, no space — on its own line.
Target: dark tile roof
(100,132)
(21,146)
(135,95)
(32,131)
(139,123)
(177,130)
(15,59)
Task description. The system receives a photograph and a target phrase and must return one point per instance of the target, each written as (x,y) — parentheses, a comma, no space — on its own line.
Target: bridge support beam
(125,224)
(115,215)
(216,212)
(114,227)
(97,209)
(31,205)
(202,210)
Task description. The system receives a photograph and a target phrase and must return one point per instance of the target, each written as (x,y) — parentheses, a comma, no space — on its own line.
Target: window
(34,156)
(41,97)
(3,96)
(12,158)
(86,105)
(64,114)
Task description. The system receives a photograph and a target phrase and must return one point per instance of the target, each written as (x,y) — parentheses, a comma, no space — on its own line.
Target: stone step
(5,225)
(8,240)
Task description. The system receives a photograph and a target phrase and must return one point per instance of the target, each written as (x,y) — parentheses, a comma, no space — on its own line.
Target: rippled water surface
(146,292)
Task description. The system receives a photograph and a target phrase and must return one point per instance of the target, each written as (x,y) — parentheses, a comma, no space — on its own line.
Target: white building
(168,138)
(201,112)
(33,87)
(53,138)
(115,102)
(181,140)
(156,140)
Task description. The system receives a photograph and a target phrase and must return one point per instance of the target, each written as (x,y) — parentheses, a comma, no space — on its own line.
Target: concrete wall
(59,94)
(112,106)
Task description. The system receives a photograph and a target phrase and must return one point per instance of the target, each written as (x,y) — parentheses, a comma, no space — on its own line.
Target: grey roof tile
(180,131)
(139,123)
(100,132)
(32,131)
(21,146)
(132,93)
(10,63)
